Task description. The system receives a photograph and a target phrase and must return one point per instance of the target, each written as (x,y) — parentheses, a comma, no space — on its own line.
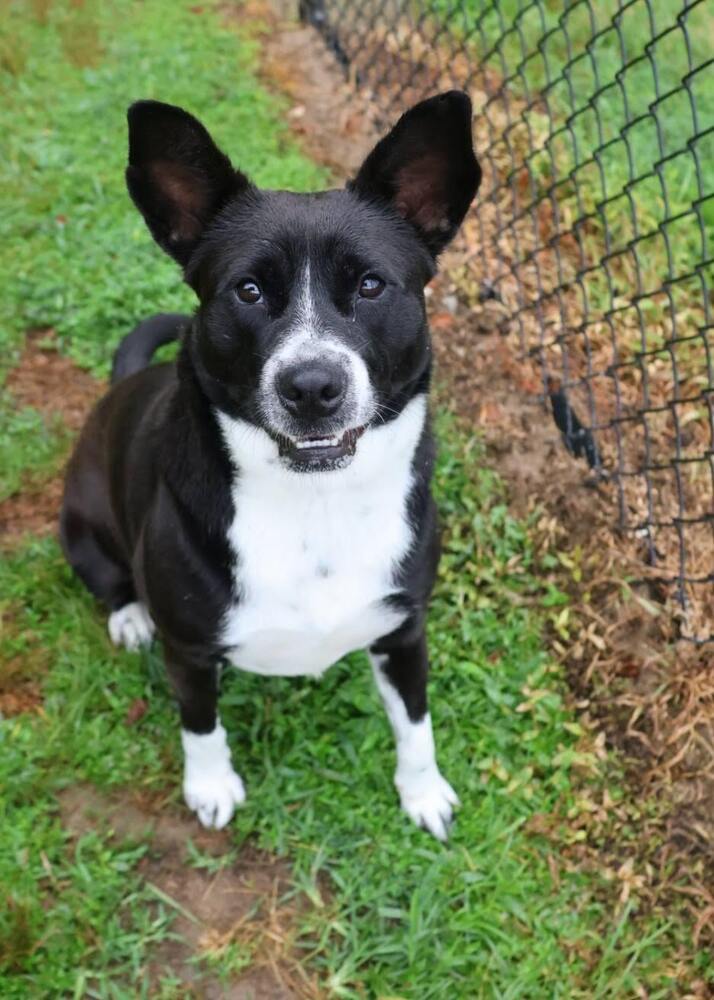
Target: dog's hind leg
(89,551)
(88,534)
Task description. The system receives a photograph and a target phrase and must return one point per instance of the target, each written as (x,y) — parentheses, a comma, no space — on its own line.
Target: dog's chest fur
(316,555)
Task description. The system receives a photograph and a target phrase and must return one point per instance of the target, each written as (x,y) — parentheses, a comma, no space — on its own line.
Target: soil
(20,675)
(32,511)
(51,383)
(61,391)
(239,900)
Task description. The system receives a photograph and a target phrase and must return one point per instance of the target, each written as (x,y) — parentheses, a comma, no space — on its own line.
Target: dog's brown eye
(249,292)
(371,286)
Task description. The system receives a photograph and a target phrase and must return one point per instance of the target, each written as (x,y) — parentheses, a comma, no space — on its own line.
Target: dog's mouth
(319,454)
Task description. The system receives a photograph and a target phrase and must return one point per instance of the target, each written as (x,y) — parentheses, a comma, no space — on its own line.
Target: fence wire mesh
(594,122)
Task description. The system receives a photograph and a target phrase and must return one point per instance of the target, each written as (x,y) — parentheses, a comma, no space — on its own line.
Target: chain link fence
(594,122)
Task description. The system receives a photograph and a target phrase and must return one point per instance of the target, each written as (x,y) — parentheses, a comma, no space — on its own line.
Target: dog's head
(311,324)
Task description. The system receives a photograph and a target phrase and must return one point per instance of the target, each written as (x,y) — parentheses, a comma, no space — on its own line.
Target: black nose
(311,389)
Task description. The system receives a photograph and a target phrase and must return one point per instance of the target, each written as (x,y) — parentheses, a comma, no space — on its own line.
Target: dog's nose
(311,389)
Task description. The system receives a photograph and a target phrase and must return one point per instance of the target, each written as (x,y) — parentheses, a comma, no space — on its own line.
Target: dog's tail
(137,348)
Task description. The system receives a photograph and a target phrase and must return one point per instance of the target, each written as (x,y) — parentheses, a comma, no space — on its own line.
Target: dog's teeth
(319,443)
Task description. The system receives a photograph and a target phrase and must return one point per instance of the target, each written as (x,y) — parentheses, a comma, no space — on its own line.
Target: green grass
(498,913)
(81,258)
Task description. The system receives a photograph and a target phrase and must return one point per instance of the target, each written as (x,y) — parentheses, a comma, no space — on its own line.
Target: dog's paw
(211,787)
(429,799)
(131,626)
(214,797)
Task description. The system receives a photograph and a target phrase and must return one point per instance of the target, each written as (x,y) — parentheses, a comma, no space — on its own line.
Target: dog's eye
(249,292)
(371,286)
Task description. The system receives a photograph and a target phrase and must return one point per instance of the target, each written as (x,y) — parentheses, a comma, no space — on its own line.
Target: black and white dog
(266,500)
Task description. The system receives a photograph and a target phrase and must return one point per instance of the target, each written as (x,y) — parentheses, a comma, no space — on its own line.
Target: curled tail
(137,348)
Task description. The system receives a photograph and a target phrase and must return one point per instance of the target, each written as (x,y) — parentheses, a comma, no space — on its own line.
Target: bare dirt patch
(344,145)
(20,675)
(238,901)
(32,511)
(59,390)
(20,692)
(51,383)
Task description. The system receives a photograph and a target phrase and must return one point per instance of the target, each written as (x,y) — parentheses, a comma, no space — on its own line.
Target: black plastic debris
(578,439)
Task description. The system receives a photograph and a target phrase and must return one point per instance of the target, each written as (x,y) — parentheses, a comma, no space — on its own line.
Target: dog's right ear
(178,177)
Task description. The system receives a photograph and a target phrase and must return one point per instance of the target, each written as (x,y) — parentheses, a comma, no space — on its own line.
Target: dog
(265,500)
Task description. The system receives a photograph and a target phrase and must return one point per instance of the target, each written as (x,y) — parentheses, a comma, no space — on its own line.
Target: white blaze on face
(309,340)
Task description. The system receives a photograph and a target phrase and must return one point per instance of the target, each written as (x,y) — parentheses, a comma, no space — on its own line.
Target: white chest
(316,555)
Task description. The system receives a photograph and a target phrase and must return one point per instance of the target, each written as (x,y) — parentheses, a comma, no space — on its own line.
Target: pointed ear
(426,168)
(178,177)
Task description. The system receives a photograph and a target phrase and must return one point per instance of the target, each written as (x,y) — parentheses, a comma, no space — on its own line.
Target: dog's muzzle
(317,401)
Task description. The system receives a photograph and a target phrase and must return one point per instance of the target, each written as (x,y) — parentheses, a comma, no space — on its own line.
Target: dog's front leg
(210,785)
(400,671)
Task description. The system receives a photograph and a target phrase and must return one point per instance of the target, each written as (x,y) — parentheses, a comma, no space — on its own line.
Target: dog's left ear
(426,168)
(178,177)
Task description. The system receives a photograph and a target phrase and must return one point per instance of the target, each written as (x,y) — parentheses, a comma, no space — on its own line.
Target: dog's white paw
(211,787)
(214,797)
(429,799)
(131,626)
